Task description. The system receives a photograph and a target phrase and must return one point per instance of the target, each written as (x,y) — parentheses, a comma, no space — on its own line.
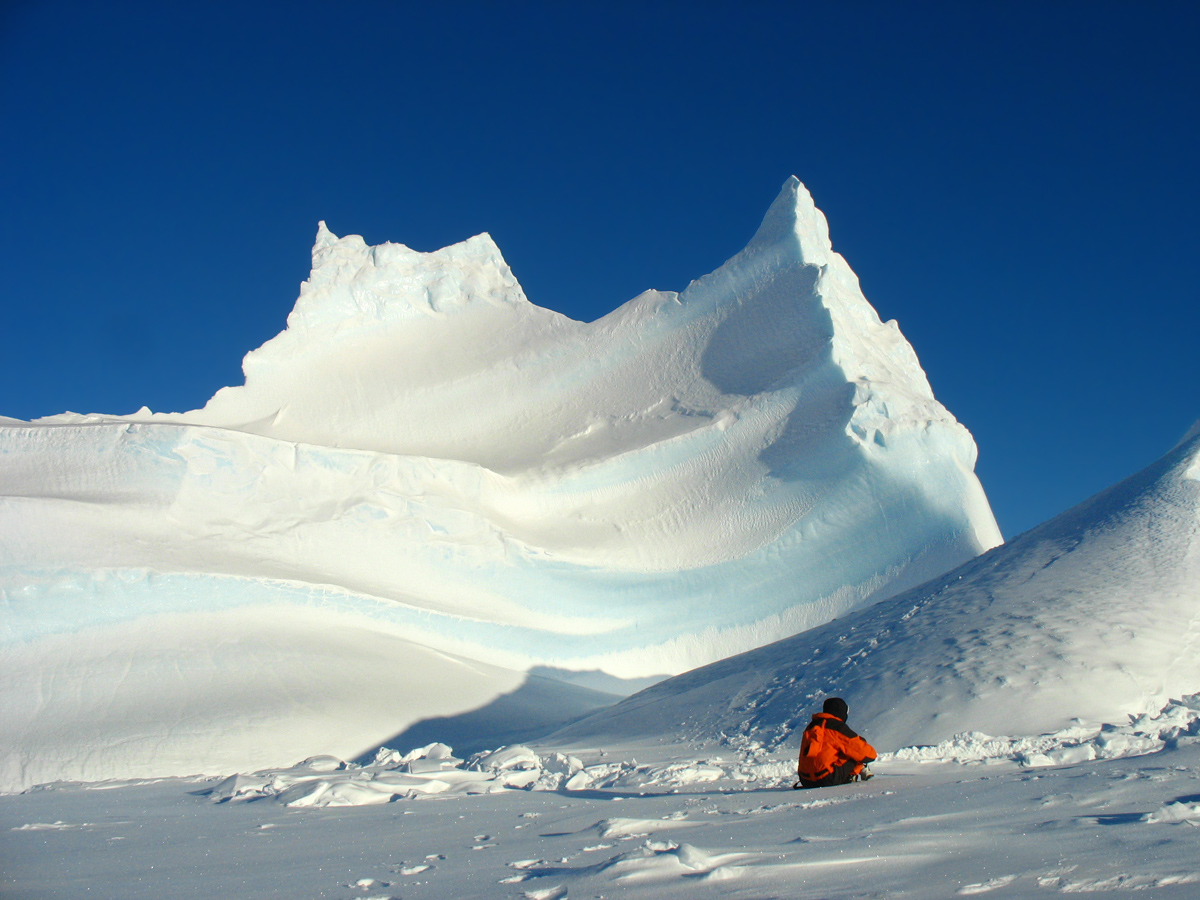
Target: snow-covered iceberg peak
(351,280)
(873,355)
(794,222)
(693,475)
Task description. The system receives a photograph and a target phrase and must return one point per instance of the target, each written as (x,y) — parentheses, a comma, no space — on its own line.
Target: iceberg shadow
(538,707)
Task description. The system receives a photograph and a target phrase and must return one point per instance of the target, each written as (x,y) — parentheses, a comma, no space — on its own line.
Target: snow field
(921,829)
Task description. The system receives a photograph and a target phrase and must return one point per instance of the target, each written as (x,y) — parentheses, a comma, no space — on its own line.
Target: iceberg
(428,487)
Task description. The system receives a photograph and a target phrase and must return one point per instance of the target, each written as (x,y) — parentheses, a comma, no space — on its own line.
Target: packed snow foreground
(432,498)
(433,770)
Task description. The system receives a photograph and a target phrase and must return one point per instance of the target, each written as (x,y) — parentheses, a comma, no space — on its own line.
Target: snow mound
(1178,721)
(426,453)
(1091,617)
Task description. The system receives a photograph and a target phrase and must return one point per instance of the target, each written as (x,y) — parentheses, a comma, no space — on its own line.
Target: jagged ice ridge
(429,486)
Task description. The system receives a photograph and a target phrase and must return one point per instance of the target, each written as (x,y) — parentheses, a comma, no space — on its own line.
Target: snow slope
(1089,618)
(474,486)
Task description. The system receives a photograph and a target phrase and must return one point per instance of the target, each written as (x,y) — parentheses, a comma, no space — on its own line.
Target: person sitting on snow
(831,752)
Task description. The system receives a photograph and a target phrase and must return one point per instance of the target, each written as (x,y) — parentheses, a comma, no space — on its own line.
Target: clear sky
(1016,183)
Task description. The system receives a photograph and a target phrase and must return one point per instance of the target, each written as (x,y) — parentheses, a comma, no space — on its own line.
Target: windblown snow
(431,494)
(1090,619)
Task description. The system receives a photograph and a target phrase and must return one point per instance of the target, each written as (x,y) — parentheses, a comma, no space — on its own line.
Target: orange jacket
(828,743)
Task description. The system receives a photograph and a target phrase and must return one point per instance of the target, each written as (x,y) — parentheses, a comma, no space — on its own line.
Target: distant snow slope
(1092,616)
(426,454)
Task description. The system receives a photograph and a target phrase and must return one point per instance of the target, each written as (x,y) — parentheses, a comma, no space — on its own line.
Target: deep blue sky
(1016,183)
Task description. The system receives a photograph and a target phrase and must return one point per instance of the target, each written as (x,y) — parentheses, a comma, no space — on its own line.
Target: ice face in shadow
(690,476)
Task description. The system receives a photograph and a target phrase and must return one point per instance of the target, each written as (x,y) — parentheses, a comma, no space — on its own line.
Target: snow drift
(428,485)
(1089,618)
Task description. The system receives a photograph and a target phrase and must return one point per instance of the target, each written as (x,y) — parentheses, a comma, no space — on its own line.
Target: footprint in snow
(554,893)
(373,887)
(984,887)
(525,863)
(521,865)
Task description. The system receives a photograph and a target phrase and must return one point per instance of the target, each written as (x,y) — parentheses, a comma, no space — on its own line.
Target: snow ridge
(1091,617)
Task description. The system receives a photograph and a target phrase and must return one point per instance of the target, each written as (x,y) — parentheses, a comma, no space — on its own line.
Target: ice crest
(793,219)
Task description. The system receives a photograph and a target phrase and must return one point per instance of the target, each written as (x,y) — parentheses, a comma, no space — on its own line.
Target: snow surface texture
(428,486)
(1088,618)
(725,825)
(434,770)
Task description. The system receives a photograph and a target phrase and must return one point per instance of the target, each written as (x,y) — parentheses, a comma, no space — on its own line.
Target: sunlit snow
(1087,619)
(438,523)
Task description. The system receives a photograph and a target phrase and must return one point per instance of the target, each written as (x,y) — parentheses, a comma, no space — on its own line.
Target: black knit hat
(836,706)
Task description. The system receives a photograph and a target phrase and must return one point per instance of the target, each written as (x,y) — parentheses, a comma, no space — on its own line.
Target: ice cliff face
(426,454)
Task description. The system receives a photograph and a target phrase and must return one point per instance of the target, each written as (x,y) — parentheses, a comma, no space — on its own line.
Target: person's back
(831,752)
